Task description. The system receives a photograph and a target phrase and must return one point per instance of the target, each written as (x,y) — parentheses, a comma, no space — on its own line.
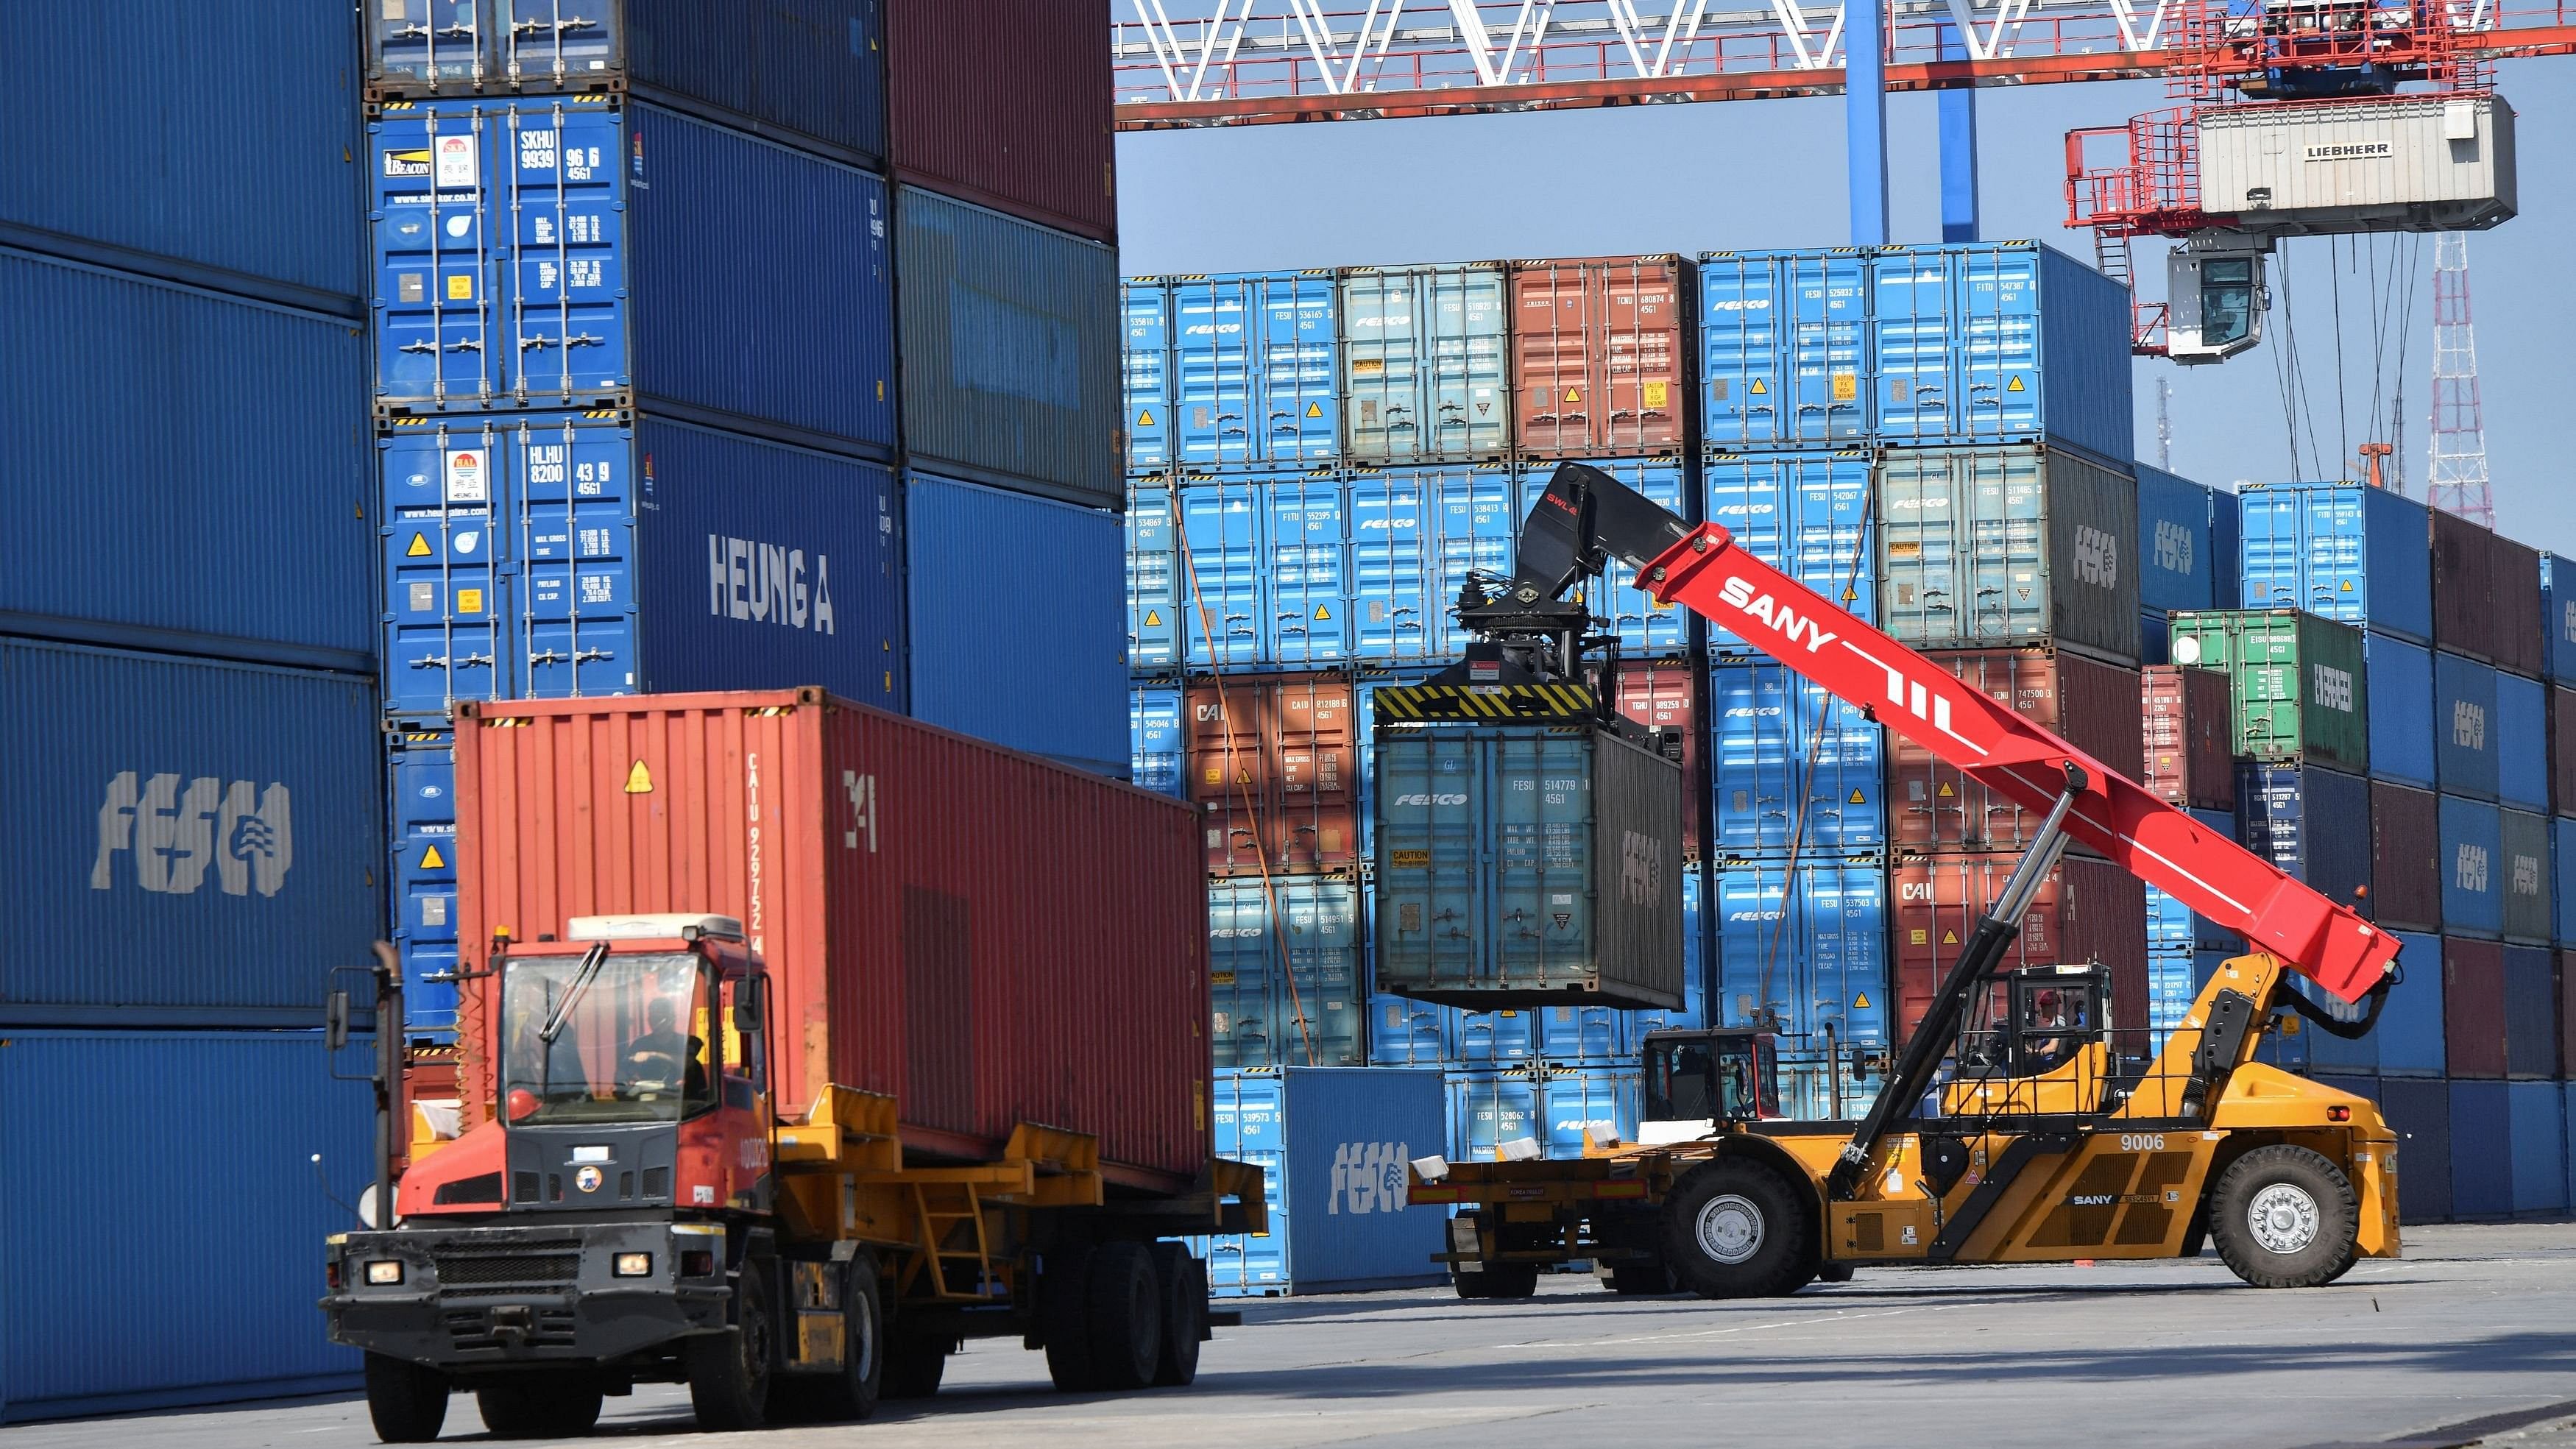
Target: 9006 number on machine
(2142,1142)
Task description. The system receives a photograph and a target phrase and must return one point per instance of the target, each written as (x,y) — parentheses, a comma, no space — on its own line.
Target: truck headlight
(632,1265)
(384,1271)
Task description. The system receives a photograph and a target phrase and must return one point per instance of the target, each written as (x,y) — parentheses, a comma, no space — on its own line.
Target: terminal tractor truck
(2014,1124)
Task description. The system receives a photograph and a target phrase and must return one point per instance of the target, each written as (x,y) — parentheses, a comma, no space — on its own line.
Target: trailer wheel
(1063,1322)
(406,1401)
(914,1366)
(1641,1280)
(852,1393)
(1469,1285)
(729,1372)
(1732,1229)
(1124,1309)
(2285,1217)
(1510,1280)
(1185,1311)
(547,1408)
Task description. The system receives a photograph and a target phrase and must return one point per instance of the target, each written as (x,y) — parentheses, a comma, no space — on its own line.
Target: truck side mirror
(749,1003)
(335,1020)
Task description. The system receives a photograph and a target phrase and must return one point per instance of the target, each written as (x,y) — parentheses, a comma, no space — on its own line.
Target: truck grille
(497,1270)
(471,1329)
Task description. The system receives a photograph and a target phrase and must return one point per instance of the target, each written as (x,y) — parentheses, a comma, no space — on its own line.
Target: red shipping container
(2092,705)
(2562,751)
(2473,1025)
(2464,614)
(2513,589)
(2405,858)
(1664,696)
(991,938)
(2087,910)
(1598,355)
(1008,104)
(2189,727)
(1274,764)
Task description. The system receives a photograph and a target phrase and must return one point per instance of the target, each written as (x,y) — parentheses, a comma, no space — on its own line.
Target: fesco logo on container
(245,833)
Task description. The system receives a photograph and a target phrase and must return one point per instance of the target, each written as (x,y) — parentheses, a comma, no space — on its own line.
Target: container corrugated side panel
(198,843)
(2340,550)
(2530,1012)
(2562,840)
(1008,104)
(964,632)
(2410,1029)
(2522,741)
(2562,751)
(2481,1150)
(2537,1112)
(202,463)
(2521,639)
(230,1292)
(1009,349)
(2473,877)
(2464,726)
(2464,608)
(172,136)
(2405,858)
(811,68)
(2086,387)
(2474,1029)
(1637,804)
(2523,862)
(2420,1113)
(2401,709)
(1805,513)
(1349,1135)
(2176,562)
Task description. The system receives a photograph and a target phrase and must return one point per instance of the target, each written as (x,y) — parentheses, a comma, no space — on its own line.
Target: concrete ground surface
(2471,1339)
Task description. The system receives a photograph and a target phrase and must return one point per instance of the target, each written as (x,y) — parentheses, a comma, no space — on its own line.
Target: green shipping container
(2296,680)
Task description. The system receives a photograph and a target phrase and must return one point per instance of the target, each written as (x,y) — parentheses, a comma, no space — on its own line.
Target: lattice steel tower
(2456,480)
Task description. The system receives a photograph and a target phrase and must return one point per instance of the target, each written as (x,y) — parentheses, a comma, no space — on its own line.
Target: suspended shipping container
(2405,858)
(1284,972)
(1007,104)
(2092,705)
(1990,548)
(1599,349)
(2341,551)
(1274,767)
(2473,874)
(1663,697)
(2299,683)
(2188,733)
(1805,513)
(1337,1144)
(1425,371)
(1791,768)
(2086,910)
(2401,709)
(1254,371)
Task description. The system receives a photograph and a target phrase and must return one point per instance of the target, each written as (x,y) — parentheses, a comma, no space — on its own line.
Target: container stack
(188,793)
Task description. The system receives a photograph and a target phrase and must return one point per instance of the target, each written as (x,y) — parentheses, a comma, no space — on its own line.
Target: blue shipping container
(2400,694)
(2538,1115)
(1340,1222)
(1155,623)
(1155,744)
(2177,562)
(196,843)
(2342,550)
(1575,1034)
(2464,726)
(1247,1127)
(2226,547)
(2474,877)
(1425,375)
(1255,368)
(1488,1108)
(1807,945)
(1145,372)
(2302,818)
(964,634)
(1790,765)
(230,1292)
(1998,342)
(1414,533)
(420,780)
(1491,1038)
(1306,1015)
(1782,344)
(2173,927)
(2482,1146)
(2410,1025)
(1692,1014)
(1594,1101)
(1262,561)
(2420,1112)
(187,470)
(2154,633)
(2562,905)
(1805,513)
(2522,741)
(1404,1032)
(567,252)
(2558,617)
(557,555)
(2531,1019)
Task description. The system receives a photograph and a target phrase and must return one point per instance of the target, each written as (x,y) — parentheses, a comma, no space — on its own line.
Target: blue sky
(1769,173)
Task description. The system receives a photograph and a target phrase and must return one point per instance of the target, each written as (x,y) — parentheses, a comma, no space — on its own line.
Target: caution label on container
(639,781)
(1314,410)
(1759,387)
(1861,1002)
(1656,393)
(430,859)
(2015,384)
(419,546)
(469,601)
(1145,419)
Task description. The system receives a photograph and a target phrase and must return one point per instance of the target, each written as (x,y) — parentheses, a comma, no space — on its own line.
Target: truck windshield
(630,1045)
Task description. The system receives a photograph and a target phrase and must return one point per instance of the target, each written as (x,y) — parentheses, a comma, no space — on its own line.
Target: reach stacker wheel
(1733,1229)
(2285,1217)
(406,1402)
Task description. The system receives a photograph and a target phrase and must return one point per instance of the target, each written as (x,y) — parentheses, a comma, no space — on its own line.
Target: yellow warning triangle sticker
(1850,593)
(1855,799)
(2347,586)
(1314,410)
(1572,396)
(1153,618)
(1759,386)
(1945,789)
(1322,612)
(1145,419)
(1949,938)
(1861,1002)
(2015,384)
(430,859)
(419,546)
(639,781)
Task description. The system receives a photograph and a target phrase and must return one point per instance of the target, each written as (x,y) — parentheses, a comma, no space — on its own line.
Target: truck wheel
(1510,1280)
(1732,1229)
(1124,1313)
(2285,1217)
(538,1408)
(1834,1273)
(1185,1309)
(852,1393)
(1469,1285)
(1063,1319)
(913,1367)
(1641,1280)
(729,1372)
(406,1402)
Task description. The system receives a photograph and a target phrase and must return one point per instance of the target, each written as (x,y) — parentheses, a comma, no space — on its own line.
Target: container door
(553,42)
(1392,527)
(1307,533)
(1232,775)
(1407,1033)
(1743,353)
(1213,370)
(1154,739)
(1542,905)
(1640,367)
(1382,366)
(1315,1009)
(1468,401)
(440,341)
(1997,296)
(1602,1102)
(446,595)
(566,197)
(1431,880)
(1487,1110)
(418,44)
(1316,745)
(1154,618)
(1492,1038)
(1577,1033)
(1221,572)
(574,509)
(421,768)
(1476,518)
(1843,934)
(2007,525)
(1829,295)
(1243,959)
(1921,592)
(1295,384)
(1145,305)
(2273,551)
(1912,353)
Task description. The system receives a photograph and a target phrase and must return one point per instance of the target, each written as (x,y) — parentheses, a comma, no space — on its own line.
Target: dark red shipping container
(991,938)
(2566,1009)
(2513,587)
(2562,751)
(1663,696)
(2189,728)
(2087,910)
(2092,705)
(1274,765)
(2405,858)
(2473,1027)
(2464,613)
(1599,354)
(1007,104)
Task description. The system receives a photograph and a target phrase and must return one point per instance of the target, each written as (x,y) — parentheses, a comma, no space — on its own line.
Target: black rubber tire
(407,1402)
(1185,1311)
(1510,1280)
(1063,1318)
(1753,1206)
(2279,1177)
(850,1395)
(1833,1272)
(914,1367)
(1123,1315)
(1470,1286)
(728,1372)
(1641,1280)
(538,1408)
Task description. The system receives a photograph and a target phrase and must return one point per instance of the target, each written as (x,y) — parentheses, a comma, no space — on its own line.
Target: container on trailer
(2513,583)
(2558,617)
(2481,1150)
(959,538)
(2401,709)
(2522,742)
(2411,1032)
(2537,1112)
(2523,861)
(1693,1013)
(2188,733)
(2176,563)
(809,71)
(1284,977)
(2464,726)
(560,554)
(1523,864)
(1805,945)
(2307,820)
(2473,1008)
(234,480)
(420,780)
(2405,858)
(2420,1113)
(1425,370)
(244,187)
(1488,1108)
(1644,623)
(1415,533)
(2467,610)
(2087,910)
(2530,1012)
(1782,344)
(1663,696)
(1807,513)
(1791,767)
(1255,370)
(1008,105)
(1586,1104)
(2562,751)
(1009,348)
(1274,768)
(892,893)
(1145,372)
(1994,547)
(2473,871)
(1155,739)
(2341,551)
(1600,352)
(256,1116)
(2300,683)
(1156,625)
(1343,1141)
(199,842)
(1993,342)
(1933,805)
(566,252)
(1490,1038)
